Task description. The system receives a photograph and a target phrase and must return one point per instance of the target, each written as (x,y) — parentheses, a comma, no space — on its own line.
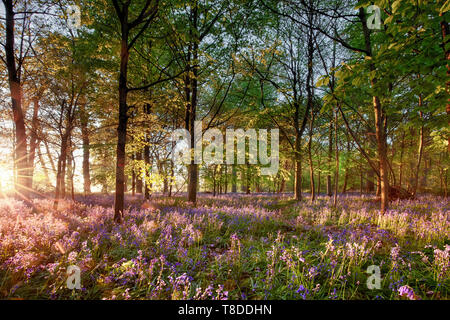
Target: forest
(224,149)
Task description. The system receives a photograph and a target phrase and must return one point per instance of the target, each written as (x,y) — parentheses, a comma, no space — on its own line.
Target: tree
(145,15)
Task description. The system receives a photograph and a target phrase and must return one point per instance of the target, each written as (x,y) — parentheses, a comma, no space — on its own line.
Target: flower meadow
(258,246)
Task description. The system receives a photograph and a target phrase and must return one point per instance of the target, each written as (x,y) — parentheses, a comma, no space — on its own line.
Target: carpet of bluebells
(257,246)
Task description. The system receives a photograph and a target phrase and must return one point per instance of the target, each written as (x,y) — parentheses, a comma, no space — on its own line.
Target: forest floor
(234,246)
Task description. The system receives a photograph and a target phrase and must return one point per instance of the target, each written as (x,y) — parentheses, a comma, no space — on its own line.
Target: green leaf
(445,7)
(395,6)
(323,81)
(388,19)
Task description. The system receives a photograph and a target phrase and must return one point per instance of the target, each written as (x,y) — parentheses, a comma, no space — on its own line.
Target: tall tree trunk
(360,180)
(143,19)
(378,192)
(445,33)
(336,174)
(220,180)
(309,99)
(61,171)
(311,165)
(247,177)
(43,166)
(233,178)
(282,185)
(298,180)
(318,181)
(419,152)
(298,165)
(50,158)
(139,180)
(15,87)
(71,170)
(445,183)
(330,155)
(344,187)
(380,129)
(428,165)
(226,179)
(125,184)
(257,181)
(133,177)
(84,122)
(172,177)
(369,183)
(33,141)
(330,132)
(402,150)
(382,154)
(147,157)
(193,167)
(123,119)
(164,172)
(214,180)
(309,105)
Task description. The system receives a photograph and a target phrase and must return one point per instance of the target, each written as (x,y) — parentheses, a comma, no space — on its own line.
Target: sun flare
(6,179)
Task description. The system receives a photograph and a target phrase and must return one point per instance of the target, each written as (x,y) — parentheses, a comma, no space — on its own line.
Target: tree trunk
(61,171)
(402,150)
(360,180)
(310,96)
(330,154)
(445,183)
(172,177)
(43,166)
(382,154)
(378,193)
(298,169)
(233,179)
(123,120)
(445,32)
(192,186)
(193,167)
(133,177)
(419,152)
(247,176)
(84,122)
(71,170)
(33,141)
(369,183)
(344,187)
(380,130)
(226,179)
(15,86)
(311,165)
(336,175)
(163,170)
(282,185)
(139,183)
(147,110)
(214,180)
(318,182)
(50,158)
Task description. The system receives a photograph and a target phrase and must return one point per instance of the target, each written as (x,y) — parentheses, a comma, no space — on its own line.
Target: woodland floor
(234,246)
